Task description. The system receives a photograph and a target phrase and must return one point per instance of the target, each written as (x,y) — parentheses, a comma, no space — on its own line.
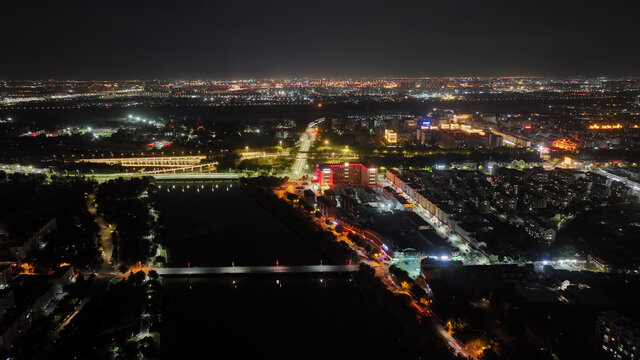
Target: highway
(306,141)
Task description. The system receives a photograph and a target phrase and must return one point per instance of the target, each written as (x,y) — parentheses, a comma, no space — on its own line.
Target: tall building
(493,141)
(346,174)
(390,136)
(617,336)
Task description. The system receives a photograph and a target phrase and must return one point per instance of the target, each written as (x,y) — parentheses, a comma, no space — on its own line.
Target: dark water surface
(304,316)
(259,318)
(216,228)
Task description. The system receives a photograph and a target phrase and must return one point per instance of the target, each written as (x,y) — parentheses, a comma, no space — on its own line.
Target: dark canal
(305,316)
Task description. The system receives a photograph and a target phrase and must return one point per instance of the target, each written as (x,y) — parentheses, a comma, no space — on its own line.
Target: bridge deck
(230,270)
(255,270)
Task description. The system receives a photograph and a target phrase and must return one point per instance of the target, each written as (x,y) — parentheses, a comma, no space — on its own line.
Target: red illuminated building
(346,174)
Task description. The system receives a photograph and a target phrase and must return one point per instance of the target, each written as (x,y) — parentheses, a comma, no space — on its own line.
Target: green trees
(28,202)
(304,226)
(399,274)
(416,334)
(127,204)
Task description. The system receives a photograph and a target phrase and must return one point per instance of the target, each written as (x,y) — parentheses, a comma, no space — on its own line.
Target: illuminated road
(632,184)
(457,347)
(53,335)
(180,176)
(230,270)
(221,176)
(306,141)
(470,256)
(261,154)
(191,168)
(173,271)
(105,229)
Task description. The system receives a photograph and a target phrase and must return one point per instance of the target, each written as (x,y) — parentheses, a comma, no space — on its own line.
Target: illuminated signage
(425,123)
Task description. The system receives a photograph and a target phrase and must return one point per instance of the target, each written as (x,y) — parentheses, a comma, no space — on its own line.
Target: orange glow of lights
(27,269)
(405,285)
(565,144)
(605,127)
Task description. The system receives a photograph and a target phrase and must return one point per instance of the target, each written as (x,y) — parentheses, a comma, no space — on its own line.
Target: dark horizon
(287,39)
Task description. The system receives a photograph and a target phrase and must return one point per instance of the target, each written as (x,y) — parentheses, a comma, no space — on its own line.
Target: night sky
(141,39)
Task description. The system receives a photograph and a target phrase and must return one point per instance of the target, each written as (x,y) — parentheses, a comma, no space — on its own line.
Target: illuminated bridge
(174,177)
(230,270)
(190,168)
(261,154)
(160,161)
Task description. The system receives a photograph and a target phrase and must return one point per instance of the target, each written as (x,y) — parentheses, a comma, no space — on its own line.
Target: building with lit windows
(390,136)
(565,144)
(347,174)
(617,336)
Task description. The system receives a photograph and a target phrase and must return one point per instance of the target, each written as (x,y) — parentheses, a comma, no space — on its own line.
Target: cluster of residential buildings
(559,128)
(357,201)
(533,308)
(617,336)
(19,249)
(534,200)
(26,299)
(24,295)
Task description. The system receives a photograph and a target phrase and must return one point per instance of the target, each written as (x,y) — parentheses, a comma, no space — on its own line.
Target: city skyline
(289,179)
